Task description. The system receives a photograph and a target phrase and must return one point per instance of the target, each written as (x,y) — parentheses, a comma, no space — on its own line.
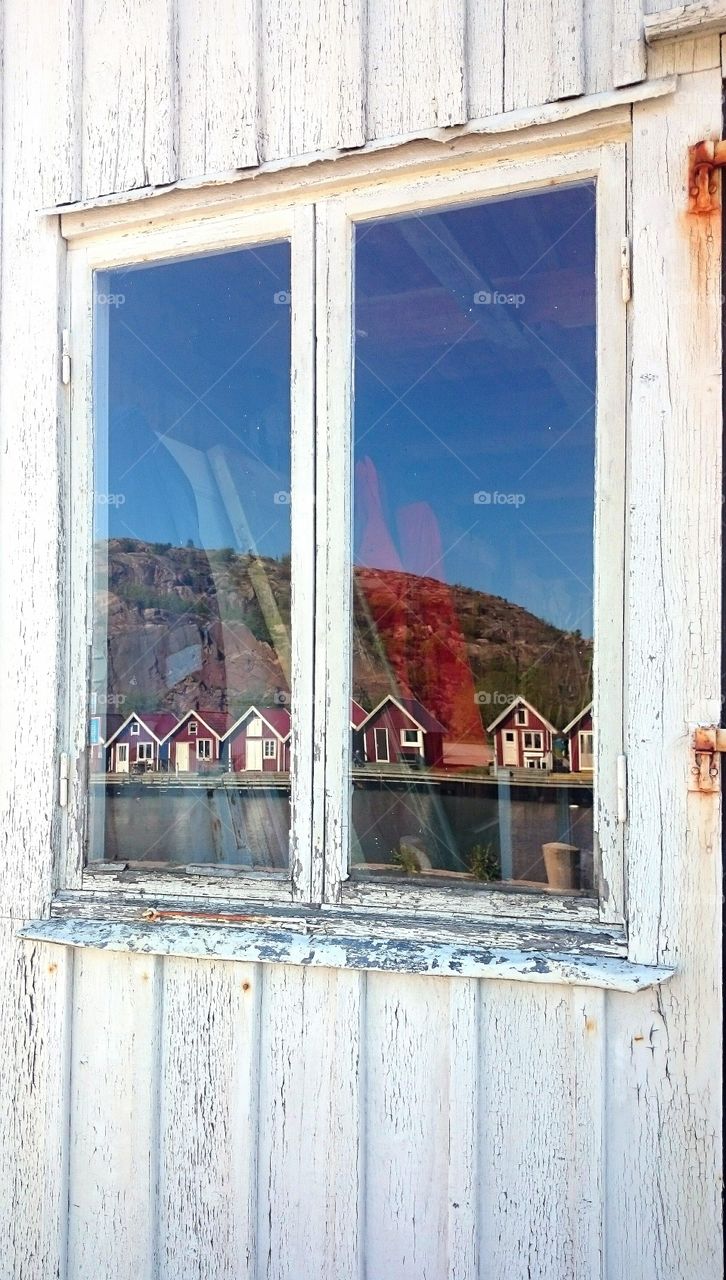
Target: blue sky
(456,399)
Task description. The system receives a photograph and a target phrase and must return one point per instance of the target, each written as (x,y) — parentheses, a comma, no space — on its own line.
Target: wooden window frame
(336,218)
(318,219)
(158,242)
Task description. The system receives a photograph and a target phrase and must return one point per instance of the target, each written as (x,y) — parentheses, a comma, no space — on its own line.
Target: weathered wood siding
(168,1119)
(166,89)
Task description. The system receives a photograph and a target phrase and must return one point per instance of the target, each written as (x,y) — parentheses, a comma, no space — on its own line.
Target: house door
(182,757)
(254,753)
(381,736)
(122,757)
(511,755)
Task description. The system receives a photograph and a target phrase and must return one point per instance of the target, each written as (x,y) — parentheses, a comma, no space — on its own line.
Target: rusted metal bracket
(704,158)
(708,743)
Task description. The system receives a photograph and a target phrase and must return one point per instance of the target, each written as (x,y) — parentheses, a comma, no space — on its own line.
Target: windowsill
(326,939)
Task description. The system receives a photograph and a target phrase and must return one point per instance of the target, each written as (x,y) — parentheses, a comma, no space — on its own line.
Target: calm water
(248,827)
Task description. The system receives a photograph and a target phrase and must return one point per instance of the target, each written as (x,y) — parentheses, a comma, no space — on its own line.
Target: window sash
(158,241)
(336,219)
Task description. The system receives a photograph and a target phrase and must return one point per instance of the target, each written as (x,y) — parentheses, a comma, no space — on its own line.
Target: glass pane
(191,640)
(474,463)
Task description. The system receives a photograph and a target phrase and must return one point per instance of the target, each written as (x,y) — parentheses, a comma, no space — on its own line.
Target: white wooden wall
(165,1119)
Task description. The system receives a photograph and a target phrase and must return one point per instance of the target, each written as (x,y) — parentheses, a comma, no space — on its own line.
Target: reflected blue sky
(474,405)
(199,401)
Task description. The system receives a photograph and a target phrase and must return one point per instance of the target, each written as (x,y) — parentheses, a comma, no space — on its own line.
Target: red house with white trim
(136,745)
(259,741)
(522,737)
(195,742)
(401,730)
(581,741)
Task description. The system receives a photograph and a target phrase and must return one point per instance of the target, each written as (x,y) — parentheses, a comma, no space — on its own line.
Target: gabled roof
(215,721)
(415,711)
(580,716)
(276,718)
(519,701)
(357,714)
(153,715)
(161,722)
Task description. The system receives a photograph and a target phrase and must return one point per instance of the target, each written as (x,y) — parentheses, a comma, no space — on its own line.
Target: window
(145,751)
(468,329)
(135,727)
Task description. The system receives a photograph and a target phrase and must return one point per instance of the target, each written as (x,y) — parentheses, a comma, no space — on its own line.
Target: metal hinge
(65,357)
(708,742)
(63,775)
(626,269)
(703,159)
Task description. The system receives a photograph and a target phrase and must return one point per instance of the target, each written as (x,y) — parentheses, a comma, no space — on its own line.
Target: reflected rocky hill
(191,628)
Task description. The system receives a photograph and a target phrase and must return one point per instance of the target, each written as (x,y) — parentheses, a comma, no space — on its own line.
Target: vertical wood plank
(408,1078)
(217,70)
(35,985)
(209,1117)
(464,1091)
(311,70)
(309,1162)
(589,1043)
(114,1136)
(130,81)
(484,58)
(31,551)
(56,73)
(526,1134)
(545,47)
(664,1054)
(416,65)
(629,64)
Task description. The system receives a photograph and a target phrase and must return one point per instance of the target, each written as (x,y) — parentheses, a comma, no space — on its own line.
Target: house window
(204,749)
(134,728)
(145,751)
(451,324)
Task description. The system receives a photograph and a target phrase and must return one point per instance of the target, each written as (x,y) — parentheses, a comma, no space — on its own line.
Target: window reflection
(190,717)
(474,442)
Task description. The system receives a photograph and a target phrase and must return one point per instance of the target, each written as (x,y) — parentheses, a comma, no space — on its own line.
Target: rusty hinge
(703,160)
(707,744)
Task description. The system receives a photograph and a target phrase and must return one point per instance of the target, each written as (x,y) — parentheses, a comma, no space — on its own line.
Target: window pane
(191,638)
(474,466)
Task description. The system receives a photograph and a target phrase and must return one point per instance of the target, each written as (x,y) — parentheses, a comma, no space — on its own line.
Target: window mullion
(302,516)
(333,532)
